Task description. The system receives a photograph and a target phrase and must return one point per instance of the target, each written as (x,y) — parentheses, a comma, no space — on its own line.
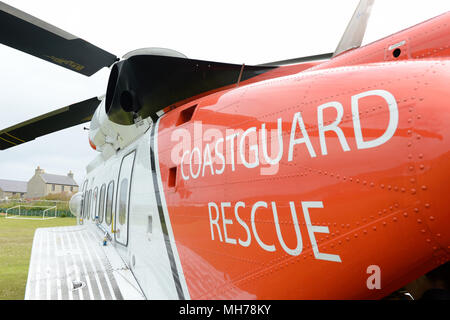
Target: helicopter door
(123,199)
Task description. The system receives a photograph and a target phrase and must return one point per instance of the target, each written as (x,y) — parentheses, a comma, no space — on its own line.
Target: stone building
(12,189)
(42,184)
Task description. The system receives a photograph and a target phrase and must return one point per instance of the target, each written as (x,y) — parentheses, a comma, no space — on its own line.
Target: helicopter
(296,179)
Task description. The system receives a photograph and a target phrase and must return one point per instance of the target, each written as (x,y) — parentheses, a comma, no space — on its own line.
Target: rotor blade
(47,123)
(324,56)
(26,33)
(354,33)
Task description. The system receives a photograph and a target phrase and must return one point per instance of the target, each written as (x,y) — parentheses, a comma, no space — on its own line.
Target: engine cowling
(107,137)
(147,81)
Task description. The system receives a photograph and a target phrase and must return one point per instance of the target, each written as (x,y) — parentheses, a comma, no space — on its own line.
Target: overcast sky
(232,31)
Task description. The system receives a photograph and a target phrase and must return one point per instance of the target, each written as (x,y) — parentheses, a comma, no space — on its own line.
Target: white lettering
(316,229)
(207,162)
(247,242)
(257,205)
(252,148)
(228,224)
(195,176)
(331,127)
(220,155)
(299,248)
(305,139)
(231,139)
(374,281)
(225,222)
(182,165)
(280,143)
(214,221)
(393,119)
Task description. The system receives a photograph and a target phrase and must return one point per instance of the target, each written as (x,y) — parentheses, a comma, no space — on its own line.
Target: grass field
(16,239)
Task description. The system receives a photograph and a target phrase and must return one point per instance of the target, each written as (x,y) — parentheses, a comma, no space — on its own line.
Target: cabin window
(53,187)
(123,201)
(122,198)
(109,203)
(86,201)
(94,204)
(83,214)
(89,204)
(101,205)
(84,185)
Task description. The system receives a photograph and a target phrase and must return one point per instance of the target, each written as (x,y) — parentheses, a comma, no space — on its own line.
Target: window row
(100,206)
(97,205)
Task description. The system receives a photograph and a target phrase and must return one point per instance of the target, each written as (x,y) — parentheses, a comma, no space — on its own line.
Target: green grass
(16,239)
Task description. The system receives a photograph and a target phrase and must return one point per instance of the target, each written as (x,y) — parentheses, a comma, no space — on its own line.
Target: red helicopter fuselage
(298,183)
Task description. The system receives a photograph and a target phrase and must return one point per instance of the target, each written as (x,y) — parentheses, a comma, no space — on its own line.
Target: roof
(57,179)
(13,186)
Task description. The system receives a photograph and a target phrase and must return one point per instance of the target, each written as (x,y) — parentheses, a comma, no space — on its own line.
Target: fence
(62,207)
(31,212)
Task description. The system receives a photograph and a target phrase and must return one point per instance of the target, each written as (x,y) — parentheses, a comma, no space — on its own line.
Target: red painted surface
(383,205)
